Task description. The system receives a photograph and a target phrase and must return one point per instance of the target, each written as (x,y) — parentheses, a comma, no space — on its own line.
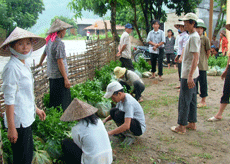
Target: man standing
(156,39)
(187,107)
(128,114)
(125,48)
(203,63)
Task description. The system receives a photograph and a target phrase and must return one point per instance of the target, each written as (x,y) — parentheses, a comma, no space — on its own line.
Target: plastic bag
(103,108)
(212,72)
(146,74)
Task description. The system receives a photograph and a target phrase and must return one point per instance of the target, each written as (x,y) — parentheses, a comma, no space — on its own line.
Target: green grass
(203,155)
(195,143)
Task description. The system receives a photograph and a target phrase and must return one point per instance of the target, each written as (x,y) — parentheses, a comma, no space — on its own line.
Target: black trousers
(119,117)
(170,56)
(59,95)
(202,79)
(138,88)
(127,63)
(187,106)
(154,58)
(24,147)
(72,153)
(226,90)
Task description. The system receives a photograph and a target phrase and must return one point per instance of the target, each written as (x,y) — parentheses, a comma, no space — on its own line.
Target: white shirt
(126,53)
(18,90)
(182,41)
(93,141)
(192,46)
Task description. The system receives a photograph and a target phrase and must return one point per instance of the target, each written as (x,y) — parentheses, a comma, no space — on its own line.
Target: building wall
(80,29)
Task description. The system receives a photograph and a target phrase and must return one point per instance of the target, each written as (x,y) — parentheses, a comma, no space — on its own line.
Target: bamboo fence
(80,66)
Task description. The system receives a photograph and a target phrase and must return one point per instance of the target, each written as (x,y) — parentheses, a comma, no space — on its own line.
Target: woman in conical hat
(224,101)
(90,144)
(19,93)
(57,68)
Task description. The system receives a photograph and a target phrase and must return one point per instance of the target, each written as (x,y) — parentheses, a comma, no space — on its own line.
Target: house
(83,23)
(99,27)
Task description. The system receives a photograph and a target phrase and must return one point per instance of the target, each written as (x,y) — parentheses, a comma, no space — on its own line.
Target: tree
(99,7)
(19,13)
(153,9)
(221,16)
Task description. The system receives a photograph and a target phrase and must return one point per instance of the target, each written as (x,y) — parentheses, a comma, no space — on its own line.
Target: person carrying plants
(90,143)
(182,41)
(156,40)
(223,47)
(187,106)
(205,51)
(224,101)
(18,90)
(125,48)
(57,68)
(129,78)
(128,114)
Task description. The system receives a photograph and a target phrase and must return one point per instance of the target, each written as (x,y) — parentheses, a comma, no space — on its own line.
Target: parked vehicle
(143,52)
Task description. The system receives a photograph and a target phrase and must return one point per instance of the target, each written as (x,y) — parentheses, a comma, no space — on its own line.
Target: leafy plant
(141,65)
(220,61)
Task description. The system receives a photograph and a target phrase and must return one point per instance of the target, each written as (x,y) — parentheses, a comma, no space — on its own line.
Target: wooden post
(228,20)
(210,20)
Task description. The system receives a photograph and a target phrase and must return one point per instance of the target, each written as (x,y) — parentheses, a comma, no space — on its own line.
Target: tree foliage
(19,13)
(221,16)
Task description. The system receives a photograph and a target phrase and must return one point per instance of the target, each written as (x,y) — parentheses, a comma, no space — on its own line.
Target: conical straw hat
(18,34)
(227,27)
(58,25)
(78,110)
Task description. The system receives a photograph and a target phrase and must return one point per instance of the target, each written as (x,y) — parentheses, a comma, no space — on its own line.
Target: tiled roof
(99,25)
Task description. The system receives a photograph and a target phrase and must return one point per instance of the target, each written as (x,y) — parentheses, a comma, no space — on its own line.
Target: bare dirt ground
(208,144)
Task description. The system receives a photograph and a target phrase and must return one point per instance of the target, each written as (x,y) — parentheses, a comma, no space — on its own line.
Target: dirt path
(209,144)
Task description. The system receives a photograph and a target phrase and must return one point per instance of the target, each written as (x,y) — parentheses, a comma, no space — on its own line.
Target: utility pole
(210,20)
(228,19)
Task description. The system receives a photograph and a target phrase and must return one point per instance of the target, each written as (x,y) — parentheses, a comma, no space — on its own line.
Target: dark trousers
(138,88)
(59,95)
(187,107)
(170,56)
(119,118)
(226,90)
(72,153)
(154,58)
(179,68)
(202,79)
(24,147)
(127,63)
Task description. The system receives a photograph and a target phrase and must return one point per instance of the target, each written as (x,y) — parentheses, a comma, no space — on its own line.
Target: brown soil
(208,144)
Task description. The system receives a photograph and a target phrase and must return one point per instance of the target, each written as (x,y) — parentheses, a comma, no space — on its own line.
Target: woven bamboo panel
(80,66)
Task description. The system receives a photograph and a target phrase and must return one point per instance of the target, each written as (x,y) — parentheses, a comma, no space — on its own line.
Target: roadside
(209,144)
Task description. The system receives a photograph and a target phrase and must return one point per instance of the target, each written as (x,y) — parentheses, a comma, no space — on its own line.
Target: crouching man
(128,114)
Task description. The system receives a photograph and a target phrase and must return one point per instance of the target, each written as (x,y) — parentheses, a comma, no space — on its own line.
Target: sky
(55,8)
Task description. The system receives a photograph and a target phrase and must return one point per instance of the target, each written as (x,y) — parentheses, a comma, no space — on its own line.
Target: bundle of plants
(142,65)
(220,61)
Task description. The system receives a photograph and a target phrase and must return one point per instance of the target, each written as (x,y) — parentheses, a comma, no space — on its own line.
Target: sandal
(152,77)
(213,119)
(173,128)
(200,105)
(189,128)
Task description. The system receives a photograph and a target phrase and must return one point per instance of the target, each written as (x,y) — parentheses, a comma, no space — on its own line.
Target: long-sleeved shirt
(18,89)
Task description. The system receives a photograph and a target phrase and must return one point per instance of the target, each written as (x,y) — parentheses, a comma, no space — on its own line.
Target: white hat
(189,16)
(181,23)
(17,34)
(111,88)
